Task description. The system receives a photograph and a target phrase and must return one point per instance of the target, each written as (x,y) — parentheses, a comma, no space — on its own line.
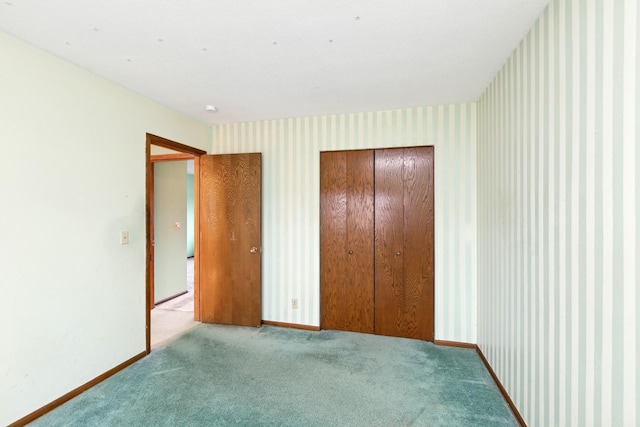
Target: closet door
(404,246)
(346,241)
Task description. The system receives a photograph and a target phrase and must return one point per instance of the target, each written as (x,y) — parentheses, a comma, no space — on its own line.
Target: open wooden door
(230,239)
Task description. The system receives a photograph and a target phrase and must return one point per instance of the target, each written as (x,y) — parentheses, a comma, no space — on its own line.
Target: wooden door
(404,248)
(230,239)
(346,241)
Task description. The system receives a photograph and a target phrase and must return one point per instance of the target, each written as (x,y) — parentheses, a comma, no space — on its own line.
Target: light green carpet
(223,375)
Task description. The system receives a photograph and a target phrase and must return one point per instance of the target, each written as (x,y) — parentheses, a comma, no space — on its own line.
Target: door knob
(253,250)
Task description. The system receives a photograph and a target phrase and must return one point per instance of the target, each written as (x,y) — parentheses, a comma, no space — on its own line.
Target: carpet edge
(503,391)
(75,392)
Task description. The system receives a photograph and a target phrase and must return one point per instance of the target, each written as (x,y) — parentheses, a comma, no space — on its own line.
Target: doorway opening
(179,310)
(172,304)
(172,317)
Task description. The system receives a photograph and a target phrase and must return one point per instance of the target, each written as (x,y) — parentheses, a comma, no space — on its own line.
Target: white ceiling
(265,59)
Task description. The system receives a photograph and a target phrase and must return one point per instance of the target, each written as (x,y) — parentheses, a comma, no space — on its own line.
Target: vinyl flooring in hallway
(170,319)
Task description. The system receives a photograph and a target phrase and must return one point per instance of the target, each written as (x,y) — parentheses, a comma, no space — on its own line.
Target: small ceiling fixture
(211,108)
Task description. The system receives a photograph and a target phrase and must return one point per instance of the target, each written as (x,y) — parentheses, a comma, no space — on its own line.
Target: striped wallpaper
(291,184)
(558,213)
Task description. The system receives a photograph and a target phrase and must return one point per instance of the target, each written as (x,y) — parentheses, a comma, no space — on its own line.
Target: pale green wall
(170,243)
(558,217)
(190,224)
(290,214)
(76,144)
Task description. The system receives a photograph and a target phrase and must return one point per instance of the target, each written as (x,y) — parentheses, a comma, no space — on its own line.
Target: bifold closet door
(346,241)
(404,243)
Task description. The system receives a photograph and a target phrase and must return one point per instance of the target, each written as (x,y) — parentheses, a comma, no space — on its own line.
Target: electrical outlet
(294,303)
(124,237)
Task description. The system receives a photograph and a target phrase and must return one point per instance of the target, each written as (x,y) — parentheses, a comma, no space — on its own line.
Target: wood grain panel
(333,239)
(360,211)
(156,158)
(230,205)
(389,243)
(404,243)
(346,247)
(418,242)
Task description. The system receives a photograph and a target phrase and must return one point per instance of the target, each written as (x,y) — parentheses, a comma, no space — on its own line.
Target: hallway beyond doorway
(173,317)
